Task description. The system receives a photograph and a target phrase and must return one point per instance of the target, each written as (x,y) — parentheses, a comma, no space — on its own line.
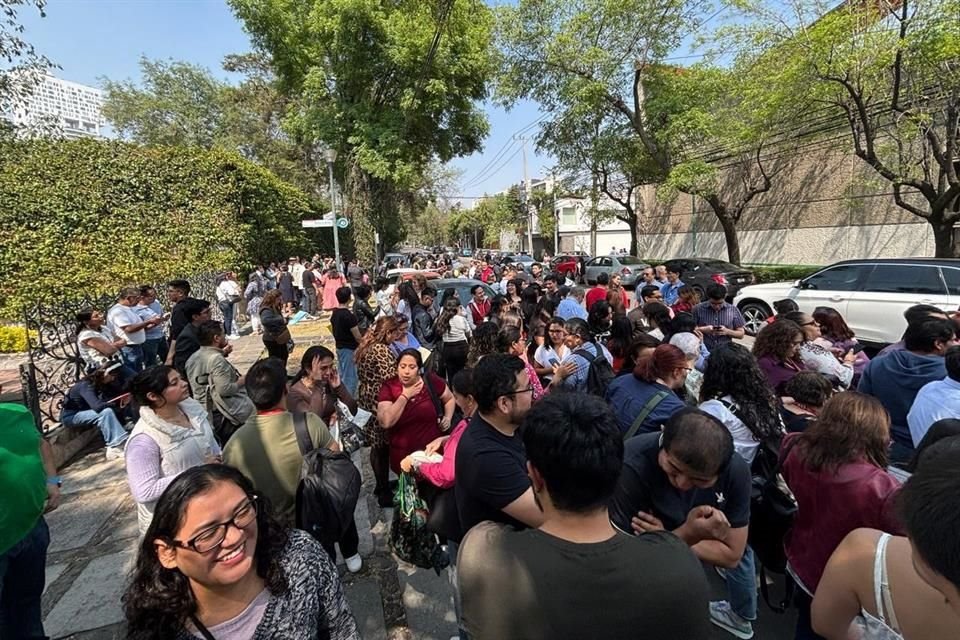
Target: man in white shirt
(296,271)
(155,346)
(937,400)
(125,323)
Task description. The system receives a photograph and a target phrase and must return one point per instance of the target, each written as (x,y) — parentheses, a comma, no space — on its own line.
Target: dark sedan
(461,285)
(700,273)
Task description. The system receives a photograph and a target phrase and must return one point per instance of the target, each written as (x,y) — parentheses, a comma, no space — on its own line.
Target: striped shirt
(726,316)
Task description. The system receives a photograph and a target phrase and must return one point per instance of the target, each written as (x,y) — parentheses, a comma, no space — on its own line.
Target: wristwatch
(57,480)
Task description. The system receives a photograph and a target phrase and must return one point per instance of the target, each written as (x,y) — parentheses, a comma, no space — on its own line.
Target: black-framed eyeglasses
(518,391)
(807,324)
(213,536)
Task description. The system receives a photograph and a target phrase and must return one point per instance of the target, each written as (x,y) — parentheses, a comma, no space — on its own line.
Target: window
(568,216)
(901,278)
(952,276)
(840,278)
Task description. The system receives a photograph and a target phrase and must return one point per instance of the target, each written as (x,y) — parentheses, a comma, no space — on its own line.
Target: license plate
(741,280)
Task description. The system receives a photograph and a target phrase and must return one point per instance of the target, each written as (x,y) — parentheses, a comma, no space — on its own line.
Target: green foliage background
(90,215)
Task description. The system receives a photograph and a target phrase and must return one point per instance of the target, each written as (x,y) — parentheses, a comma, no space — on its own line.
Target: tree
(392,87)
(604,58)
(178,103)
(889,73)
(489,217)
(25,67)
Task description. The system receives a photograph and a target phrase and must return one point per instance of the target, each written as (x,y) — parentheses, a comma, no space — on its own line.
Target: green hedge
(13,339)
(782,273)
(93,215)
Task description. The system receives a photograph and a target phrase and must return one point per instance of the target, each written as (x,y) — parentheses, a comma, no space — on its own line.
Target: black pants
(276,350)
(455,357)
(804,630)
(380,463)
(349,543)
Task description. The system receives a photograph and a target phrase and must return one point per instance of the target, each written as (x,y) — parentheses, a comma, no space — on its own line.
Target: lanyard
(202,629)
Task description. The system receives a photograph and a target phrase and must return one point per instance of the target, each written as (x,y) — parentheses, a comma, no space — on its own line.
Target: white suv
(871,295)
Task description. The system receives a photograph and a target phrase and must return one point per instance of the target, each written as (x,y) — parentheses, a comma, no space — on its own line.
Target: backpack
(600,374)
(772,512)
(328,490)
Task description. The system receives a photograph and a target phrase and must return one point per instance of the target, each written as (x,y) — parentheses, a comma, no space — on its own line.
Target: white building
(577,232)
(74,109)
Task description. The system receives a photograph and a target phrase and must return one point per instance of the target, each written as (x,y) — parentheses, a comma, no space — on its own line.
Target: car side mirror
(799,284)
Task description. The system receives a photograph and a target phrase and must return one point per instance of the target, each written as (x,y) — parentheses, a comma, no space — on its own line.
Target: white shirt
(92,357)
(226,289)
(459,330)
(936,400)
(120,316)
(297,272)
(743,441)
(545,353)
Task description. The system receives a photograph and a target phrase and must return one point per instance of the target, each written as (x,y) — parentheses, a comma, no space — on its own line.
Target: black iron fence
(53,356)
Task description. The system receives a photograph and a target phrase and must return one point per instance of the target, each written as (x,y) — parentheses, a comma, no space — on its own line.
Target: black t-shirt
(491,472)
(343,320)
(308,279)
(178,317)
(531,585)
(187,345)
(644,486)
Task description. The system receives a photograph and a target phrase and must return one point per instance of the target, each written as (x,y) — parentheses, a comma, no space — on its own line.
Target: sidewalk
(94,544)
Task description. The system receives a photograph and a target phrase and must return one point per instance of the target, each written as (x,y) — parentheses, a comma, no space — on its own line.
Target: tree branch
(903,204)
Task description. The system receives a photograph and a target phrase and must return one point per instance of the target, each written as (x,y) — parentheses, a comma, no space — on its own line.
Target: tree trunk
(634,237)
(944,245)
(732,239)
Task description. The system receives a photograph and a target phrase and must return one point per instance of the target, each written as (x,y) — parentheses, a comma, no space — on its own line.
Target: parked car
(870,294)
(462,287)
(466,252)
(628,268)
(700,273)
(568,265)
(396,276)
(396,258)
(520,260)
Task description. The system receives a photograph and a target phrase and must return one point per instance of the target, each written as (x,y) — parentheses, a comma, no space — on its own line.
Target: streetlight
(331,156)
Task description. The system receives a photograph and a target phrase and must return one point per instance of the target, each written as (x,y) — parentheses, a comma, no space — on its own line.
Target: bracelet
(57,480)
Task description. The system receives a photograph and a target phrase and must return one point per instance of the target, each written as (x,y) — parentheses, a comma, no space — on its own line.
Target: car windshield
(629,260)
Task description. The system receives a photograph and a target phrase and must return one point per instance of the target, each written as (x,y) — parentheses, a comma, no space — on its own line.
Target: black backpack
(600,374)
(329,488)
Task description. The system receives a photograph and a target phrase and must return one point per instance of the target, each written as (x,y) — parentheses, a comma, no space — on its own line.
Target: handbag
(410,539)
(437,406)
(350,434)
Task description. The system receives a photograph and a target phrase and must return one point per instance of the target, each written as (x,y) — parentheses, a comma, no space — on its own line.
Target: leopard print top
(376,366)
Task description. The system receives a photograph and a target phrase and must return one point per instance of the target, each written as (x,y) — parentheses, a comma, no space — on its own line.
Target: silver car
(628,268)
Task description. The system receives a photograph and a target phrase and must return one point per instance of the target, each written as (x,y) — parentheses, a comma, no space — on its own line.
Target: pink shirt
(440,474)
(330,286)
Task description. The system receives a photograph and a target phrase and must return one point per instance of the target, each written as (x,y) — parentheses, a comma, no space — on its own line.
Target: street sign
(343,223)
(312,224)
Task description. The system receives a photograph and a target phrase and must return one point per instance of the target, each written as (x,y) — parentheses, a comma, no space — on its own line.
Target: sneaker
(723,616)
(354,563)
(233,336)
(115,453)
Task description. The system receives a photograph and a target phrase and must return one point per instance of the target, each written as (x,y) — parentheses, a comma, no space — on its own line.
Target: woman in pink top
(836,469)
(441,474)
(329,283)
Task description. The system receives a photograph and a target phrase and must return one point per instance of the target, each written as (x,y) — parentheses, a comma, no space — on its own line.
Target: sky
(94,39)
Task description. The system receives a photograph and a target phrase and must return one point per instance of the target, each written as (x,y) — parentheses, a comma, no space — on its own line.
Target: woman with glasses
(645,400)
(215,563)
(777,350)
(552,352)
(415,407)
(815,352)
(172,435)
(375,364)
(404,338)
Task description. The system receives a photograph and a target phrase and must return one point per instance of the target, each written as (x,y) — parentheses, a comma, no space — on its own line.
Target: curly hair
(484,343)
(851,427)
(776,339)
(158,600)
(381,331)
(733,371)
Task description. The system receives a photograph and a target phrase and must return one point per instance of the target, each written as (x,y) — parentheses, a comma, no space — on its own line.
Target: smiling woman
(215,562)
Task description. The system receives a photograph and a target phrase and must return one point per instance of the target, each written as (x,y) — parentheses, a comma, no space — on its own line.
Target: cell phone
(857,348)
(554,362)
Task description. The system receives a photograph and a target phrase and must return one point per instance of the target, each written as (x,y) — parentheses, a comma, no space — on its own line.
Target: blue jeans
(742,586)
(133,356)
(154,351)
(21,585)
(113,432)
(348,370)
(226,308)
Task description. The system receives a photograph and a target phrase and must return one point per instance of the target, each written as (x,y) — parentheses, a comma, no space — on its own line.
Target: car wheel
(755,316)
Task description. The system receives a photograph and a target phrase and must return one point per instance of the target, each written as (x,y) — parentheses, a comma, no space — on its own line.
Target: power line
(483,174)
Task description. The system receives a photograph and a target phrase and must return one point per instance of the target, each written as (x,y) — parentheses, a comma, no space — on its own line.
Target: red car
(568,266)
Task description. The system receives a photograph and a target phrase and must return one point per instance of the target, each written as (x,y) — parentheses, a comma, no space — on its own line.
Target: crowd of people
(586,452)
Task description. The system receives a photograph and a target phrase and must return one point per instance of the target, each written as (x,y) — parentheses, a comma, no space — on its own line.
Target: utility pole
(526,198)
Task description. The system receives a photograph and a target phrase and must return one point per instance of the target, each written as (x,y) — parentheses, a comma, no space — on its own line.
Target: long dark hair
(316,352)
(451,307)
(158,600)
(484,342)
(733,371)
